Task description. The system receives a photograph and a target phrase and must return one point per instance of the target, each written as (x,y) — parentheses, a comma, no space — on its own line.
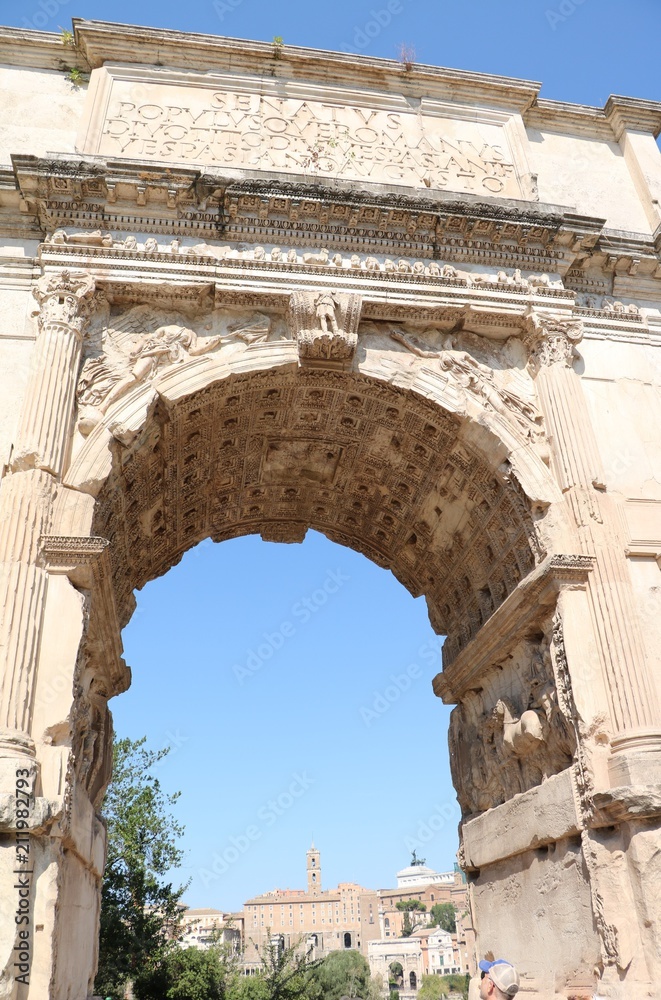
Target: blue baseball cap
(503,974)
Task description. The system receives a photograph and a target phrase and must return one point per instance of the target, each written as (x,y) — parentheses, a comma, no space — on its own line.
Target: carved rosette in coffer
(325,326)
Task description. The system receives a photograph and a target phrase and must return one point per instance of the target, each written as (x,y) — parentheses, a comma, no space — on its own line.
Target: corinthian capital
(551,341)
(65,300)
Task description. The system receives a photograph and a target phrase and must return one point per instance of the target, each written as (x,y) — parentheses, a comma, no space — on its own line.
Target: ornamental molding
(62,192)
(86,561)
(66,300)
(551,340)
(528,605)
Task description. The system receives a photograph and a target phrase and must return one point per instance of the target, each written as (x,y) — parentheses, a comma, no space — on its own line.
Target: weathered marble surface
(448,366)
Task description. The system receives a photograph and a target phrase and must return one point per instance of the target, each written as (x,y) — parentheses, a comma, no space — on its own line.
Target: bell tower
(314,871)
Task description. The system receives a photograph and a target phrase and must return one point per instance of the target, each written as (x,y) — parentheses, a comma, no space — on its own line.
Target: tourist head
(499,979)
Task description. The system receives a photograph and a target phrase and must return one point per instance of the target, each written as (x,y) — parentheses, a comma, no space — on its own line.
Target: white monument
(416,309)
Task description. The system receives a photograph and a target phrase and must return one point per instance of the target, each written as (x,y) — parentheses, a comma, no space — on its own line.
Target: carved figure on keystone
(325,305)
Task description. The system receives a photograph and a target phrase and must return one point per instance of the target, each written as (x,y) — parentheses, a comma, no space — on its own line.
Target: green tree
(432,988)
(436,987)
(189,974)
(289,973)
(443,915)
(140,908)
(409,906)
(344,974)
(250,988)
(396,974)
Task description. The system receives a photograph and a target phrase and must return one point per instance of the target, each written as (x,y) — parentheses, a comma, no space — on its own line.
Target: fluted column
(25,510)
(65,302)
(27,493)
(577,465)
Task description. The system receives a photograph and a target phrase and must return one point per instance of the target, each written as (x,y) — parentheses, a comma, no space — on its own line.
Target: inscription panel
(236,122)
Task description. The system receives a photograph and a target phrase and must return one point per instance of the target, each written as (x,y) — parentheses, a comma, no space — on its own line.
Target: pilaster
(27,496)
(65,302)
(577,465)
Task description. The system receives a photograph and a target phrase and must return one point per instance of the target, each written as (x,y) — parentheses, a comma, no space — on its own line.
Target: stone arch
(451,498)
(393,473)
(432,468)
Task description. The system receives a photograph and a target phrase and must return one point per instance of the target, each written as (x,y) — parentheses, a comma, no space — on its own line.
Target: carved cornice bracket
(529,604)
(325,327)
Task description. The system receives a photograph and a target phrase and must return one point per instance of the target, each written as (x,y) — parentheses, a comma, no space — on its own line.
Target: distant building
(202,927)
(350,916)
(419,874)
(325,919)
(403,962)
(382,919)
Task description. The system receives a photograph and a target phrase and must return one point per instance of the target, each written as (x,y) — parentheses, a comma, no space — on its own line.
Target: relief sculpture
(479,379)
(325,326)
(126,355)
(511,734)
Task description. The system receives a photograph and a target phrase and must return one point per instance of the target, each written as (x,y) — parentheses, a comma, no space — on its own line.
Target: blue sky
(581,50)
(293,683)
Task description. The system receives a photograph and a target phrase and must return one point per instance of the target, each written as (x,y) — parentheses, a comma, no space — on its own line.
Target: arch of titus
(249,288)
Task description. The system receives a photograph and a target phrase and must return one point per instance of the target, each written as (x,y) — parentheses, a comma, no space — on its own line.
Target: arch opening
(385,472)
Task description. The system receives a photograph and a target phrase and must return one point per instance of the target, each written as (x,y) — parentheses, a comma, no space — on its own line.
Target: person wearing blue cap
(499,981)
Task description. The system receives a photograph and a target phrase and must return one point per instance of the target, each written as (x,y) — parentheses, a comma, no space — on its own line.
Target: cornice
(527,607)
(244,206)
(38,50)
(633,114)
(42,195)
(561,116)
(100,42)
(103,42)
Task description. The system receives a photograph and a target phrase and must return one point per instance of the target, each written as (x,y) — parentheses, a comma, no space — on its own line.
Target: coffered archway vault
(417,364)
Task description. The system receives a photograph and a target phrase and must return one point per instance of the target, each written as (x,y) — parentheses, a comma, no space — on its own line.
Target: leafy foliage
(443,915)
(250,988)
(344,974)
(139,908)
(437,987)
(409,906)
(396,977)
(190,974)
(289,973)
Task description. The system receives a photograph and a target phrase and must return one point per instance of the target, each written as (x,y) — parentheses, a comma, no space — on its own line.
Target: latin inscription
(310,137)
